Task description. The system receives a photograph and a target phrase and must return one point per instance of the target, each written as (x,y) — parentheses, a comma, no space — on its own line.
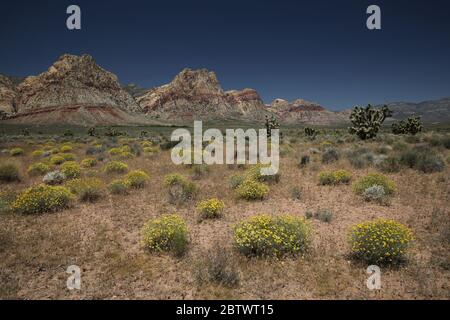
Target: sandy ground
(104,239)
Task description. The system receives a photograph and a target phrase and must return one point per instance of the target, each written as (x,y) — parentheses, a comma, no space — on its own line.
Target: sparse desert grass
(104,237)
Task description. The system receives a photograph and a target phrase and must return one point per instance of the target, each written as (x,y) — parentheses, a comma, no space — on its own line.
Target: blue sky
(316,50)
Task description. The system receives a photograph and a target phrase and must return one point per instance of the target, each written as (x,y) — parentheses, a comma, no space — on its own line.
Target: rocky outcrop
(197,94)
(8,94)
(304,112)
(74,90)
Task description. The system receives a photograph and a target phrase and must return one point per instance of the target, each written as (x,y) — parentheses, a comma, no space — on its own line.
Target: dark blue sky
(316,50)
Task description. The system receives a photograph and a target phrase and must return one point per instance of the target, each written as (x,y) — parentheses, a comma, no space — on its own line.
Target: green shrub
(264,235)
(89,162)
(16,152)
(373,179)
(180,189)
(38,169)
(168,233)
(429,163)
(9,172)
(6,200)
(390,164)
(57,159)
(236,180)
(68,156)
(380,241)
(118,186)
(334,177)
(210,209)
(116,167)
(37,153)
(250,189)
(87,190)
(71,169)
(42,198)
(66,149)
(324,215)
(137,179)
(330,155)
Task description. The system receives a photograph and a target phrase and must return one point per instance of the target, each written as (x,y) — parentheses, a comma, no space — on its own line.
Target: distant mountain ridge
(76,90)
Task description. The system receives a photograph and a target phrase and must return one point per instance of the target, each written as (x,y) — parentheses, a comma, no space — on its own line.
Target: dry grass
(104,238)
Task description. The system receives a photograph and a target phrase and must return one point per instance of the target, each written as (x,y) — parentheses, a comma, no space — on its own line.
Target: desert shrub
(296,193)
(330,155)
(92,150)
(210,209)
(57,159)
(374,179)
(389,164)
(42,198)
(6,200)
(146,144)
(251,189)
(137,179)
(265,235)
(324,215)
(199,171)
(37,153)
(216,266)
(38,169)
(9,172)
(361,161)
(125,155)
(429,163)
(168,233)
(150,150)
(68,156)
(116,167)
(16,152)
(89,162)
(375,193)
(380,241)
(334,177)
(304,161)
(236,180)
(54,178)
(180,189)
(118,186)
(66,149)
(87,190)
(71,169)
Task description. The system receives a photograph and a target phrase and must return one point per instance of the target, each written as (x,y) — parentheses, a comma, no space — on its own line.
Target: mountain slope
(74,90)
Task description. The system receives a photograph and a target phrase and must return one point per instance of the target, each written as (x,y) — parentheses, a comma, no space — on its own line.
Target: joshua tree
(271,123)
(310,132)
(412,126)
(366,122)
(91,131)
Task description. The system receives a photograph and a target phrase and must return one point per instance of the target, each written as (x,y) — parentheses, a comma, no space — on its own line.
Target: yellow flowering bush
(89,162)
(66,148)
(88,189)
(167,233)
(151,150)
(37,153)
(146,144)
(42,198)
(137,179)
(38,169)
(57,159)
(380,241)
(274,236)
(374,179)
(116,167)
(211,208)
(334,177)
(71,169)
(251,189)
(16,152)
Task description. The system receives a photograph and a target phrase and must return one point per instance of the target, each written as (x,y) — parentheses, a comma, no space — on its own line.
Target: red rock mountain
(304,112)
(197,94)
(74,90)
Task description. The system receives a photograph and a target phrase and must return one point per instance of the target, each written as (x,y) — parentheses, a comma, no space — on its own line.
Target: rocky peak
(7,96)
(73,80)
(199,81)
